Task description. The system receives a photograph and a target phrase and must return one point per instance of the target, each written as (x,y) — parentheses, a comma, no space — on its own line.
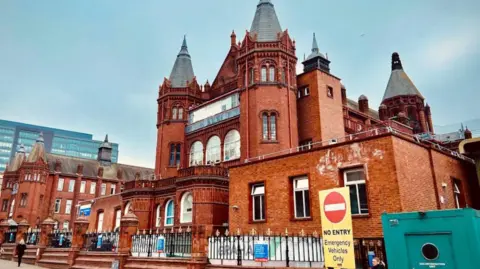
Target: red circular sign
(335,207)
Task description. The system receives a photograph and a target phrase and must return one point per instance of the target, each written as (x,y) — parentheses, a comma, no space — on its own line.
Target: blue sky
(95,65)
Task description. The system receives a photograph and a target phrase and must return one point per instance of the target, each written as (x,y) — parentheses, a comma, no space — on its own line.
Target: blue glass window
(169,213)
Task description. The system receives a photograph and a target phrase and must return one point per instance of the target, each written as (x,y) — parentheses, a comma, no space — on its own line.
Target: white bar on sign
(334,207)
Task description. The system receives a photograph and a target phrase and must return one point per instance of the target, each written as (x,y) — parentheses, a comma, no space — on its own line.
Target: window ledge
(361,216)
(257,221)
(269,142)
(301,219)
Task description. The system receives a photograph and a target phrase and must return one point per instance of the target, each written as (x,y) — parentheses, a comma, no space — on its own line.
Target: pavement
(14,265)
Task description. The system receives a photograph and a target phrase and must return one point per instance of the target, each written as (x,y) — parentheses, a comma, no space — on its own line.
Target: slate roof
(315,50)
(90,168)
(265,23)
(354,105)
(182,70)
(399,82)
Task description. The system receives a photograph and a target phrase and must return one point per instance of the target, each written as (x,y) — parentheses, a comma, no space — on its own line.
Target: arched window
(66,225)
(196,154)
(169,213)
(213,150)
(271,72)
(264,74)
(127,208)
(158,217)
(273,126)
(174,113)
(180,113)
(231,148)
(186,208)
(100,222)
(265,126)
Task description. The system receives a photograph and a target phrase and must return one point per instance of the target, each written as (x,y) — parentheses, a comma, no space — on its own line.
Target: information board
(260,251)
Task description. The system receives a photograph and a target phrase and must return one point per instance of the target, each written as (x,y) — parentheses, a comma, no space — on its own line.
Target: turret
(363,104)
(316,60)
(105,152)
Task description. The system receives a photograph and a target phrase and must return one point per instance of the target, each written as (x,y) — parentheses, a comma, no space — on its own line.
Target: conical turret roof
(399,83)
(315,50)
(182,69)
(265,23)
(38,150)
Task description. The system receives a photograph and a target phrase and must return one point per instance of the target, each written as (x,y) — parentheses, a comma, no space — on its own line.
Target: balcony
(223,116)
(204,170)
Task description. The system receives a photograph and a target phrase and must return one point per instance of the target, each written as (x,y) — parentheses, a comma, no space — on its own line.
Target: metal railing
(32,237)
(166,243)
(222,116)
(106,241)
(60,239)
(280,250)
(10,235)
(365,247)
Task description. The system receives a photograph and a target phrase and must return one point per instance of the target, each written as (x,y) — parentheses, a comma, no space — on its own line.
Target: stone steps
(54,264)
(155,263)
(94,260)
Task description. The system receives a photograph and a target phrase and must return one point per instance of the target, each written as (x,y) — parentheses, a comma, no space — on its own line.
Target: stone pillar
(128,227)
(45,229)
(199,248)
(423,120)
(80,227)
(22,229)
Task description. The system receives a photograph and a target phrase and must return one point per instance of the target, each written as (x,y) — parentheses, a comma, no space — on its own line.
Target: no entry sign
(335,207)
(337,228)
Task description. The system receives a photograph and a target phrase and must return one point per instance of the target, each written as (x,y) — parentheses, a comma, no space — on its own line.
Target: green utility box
(446,239)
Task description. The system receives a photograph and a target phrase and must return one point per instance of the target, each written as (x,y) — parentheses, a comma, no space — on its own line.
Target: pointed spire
(38,150)
(316,60)
(182,70)
(265,23)
(106,138)
(399,83)
(40,138)
(315,44)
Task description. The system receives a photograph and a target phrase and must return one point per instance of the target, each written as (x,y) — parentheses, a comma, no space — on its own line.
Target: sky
(95,66)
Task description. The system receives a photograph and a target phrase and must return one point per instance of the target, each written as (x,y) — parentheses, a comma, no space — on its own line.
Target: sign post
(337,228)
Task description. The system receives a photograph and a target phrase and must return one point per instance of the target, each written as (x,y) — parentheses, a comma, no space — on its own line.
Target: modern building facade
(61,142)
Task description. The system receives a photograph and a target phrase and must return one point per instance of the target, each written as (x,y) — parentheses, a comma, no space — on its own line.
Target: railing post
(22,229)
(287,258)
(45,229)
(3,229)
(128,227)
(199,246)
(239,251)
(80,226)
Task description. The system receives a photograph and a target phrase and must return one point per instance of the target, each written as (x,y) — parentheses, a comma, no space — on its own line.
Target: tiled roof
(182,69)
(354,106)
(399,82)
(265,23)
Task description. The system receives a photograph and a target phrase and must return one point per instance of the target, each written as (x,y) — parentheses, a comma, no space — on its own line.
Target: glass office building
(61,142)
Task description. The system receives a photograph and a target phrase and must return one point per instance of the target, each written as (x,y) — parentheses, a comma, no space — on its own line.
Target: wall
(108,205)
(323,169)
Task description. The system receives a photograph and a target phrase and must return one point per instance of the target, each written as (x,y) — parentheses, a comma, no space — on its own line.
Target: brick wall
(108,205)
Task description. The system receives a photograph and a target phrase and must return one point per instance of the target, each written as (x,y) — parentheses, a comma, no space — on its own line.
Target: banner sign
(161,244)
(337,228)
(260,251)
(85,210)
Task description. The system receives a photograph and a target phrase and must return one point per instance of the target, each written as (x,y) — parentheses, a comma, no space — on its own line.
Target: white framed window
(301,197)
(60,184)
(71,185)
(231,147)
(258,202)
(66,225)
(355,180)
(271,76)
(82,186)
(104,189)
(457,192)
(68,207)
(93,187)
(118,217)
(213,150)
(127,208)
(252,76)
(100,222)
(112,189)
(273,126)
(306,91)
(158,217)
(12,207)
(186,208)
(264,74)
(58,204)
(169,213)
(196,154)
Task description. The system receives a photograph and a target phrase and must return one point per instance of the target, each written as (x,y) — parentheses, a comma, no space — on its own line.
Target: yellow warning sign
(337,228)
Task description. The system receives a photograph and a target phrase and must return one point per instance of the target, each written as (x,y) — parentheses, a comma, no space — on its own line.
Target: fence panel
(107,241)
(162,244)
(32,236)
(60,239)
(10,235)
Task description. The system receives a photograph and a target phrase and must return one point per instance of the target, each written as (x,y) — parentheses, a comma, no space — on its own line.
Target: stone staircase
(94,260)
(55,258)
(8,249)
(30,256)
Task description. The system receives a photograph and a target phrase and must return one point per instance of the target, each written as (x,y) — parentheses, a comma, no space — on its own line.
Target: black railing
(365,248)
(166,243)
(32,237)
(10,235)
(60,239)
(107,241)
(282,250)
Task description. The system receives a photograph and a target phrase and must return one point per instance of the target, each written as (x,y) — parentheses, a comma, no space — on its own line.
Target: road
(13,265)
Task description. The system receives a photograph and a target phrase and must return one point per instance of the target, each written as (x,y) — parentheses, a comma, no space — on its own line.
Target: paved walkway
(14,265)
